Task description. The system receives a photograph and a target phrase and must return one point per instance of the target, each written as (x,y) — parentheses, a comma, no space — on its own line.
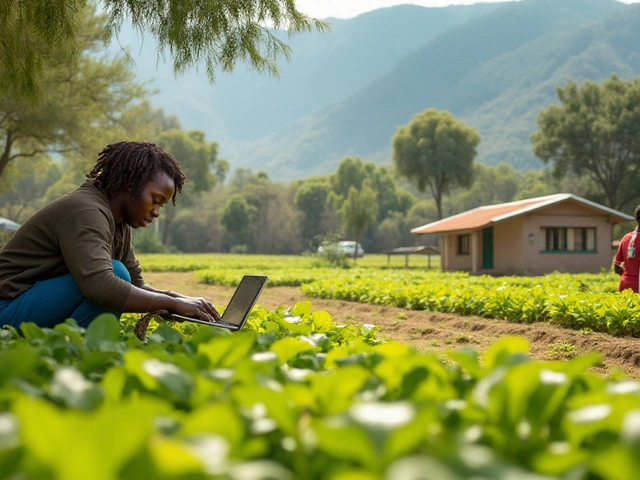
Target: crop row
(291,277)
(189,263)
(569,304)
(576,301)
(192,262)
(300,275)
(295,396)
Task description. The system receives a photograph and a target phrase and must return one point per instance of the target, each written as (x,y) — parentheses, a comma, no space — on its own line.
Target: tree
(351,173)
(237,215)
(491,185)
(595,132)
(245,176)
(216,33)
(359,210)
(198,160)
(390,198)
(25,190)
(83,98)
(437,151)
(276,228)
(311,200)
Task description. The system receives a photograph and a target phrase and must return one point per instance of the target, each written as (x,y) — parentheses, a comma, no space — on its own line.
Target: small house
(561,232)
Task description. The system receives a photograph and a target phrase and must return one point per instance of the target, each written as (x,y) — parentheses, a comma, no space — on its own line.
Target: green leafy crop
(295,396)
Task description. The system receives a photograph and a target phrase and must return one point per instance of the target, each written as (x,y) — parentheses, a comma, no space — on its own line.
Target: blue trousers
(52,301)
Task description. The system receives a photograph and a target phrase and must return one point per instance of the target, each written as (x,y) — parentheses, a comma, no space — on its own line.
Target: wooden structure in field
(406,251)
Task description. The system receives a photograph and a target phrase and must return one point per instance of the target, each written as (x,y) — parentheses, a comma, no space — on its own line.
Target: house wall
(515,254)
(454,261)
(567,214)
(507,250)
(509,245)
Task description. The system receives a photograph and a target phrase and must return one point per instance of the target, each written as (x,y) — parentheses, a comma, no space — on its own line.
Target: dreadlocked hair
(132,165)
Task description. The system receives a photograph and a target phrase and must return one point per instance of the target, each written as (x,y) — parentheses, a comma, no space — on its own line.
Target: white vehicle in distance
(346,247)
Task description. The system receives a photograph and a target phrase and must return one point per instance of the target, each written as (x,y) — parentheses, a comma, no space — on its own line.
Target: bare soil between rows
(432,331)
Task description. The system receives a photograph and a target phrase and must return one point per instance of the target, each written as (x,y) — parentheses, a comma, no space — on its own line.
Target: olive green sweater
(74,234)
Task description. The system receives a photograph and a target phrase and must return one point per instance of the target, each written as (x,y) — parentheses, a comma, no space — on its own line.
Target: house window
(568,239)
(463,244)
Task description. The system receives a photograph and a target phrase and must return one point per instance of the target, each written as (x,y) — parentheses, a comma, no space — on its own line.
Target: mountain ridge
(246,106)
(493,66)
(383,97)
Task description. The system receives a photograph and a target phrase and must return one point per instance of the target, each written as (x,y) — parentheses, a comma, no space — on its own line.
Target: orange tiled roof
(487,215)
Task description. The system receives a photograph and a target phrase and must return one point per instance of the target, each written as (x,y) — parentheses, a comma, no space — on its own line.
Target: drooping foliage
(213,32)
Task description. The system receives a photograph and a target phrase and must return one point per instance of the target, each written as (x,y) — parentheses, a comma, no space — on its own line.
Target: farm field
(588,302)
(326,388)
(561,315)
(437,332)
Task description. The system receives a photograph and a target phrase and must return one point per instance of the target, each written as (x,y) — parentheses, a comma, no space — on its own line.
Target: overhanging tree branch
(218,33)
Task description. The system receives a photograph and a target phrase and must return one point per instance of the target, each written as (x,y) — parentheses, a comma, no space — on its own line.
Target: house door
(487,248)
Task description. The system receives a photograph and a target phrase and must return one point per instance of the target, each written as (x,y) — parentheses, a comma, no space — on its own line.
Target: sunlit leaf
(31,331)
(174,459)
(72,330)
(420,468)
(17,362)
(260,470)
(227,351)
(340,440)
(322,320)
(70,386)
(501,351)
(215,418)
(164,333)
(103,441)
(301,308)
(173,378)
(287,348)
(102,332)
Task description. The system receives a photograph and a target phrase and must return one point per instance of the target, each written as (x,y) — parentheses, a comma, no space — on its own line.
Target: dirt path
(432,331)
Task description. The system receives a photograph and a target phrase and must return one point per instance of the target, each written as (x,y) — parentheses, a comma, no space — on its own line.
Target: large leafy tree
(84,97)
(595,132)
(437,151)
(216,33)
(353,172)
(359,210)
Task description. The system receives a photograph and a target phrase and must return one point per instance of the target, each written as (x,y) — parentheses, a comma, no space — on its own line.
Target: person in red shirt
(627,260)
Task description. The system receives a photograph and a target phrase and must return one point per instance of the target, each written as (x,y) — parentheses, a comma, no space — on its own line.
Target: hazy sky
(351,8)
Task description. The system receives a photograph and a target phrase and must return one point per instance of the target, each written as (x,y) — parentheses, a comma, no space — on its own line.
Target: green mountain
(324,69)
(330,68)
(496,72)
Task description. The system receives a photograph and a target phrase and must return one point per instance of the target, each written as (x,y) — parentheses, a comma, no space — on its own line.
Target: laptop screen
(243,299)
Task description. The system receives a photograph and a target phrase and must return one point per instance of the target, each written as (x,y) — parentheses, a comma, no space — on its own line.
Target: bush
(147,241)
(240,248)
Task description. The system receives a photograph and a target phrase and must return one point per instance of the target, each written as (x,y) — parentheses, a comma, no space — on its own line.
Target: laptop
(239,308)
